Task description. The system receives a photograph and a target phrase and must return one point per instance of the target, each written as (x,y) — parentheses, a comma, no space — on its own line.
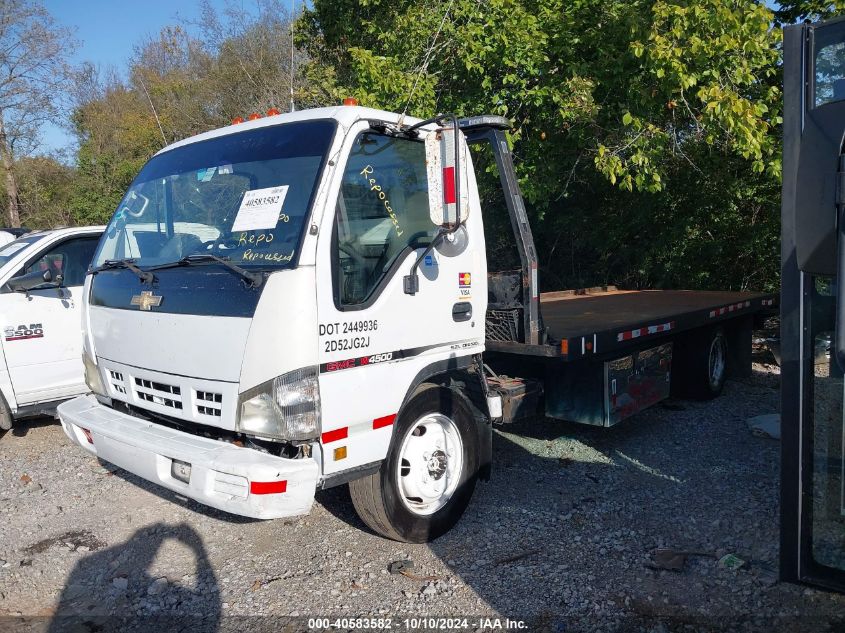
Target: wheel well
(465,377)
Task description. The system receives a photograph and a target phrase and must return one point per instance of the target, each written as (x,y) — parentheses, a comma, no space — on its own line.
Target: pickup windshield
(244,197)
(11,249)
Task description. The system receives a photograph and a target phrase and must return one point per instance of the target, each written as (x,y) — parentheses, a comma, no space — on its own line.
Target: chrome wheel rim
(431,460)
(717,361)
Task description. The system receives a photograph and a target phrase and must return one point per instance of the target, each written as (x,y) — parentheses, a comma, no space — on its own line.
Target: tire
(5,414)
(700,369)
(400,501)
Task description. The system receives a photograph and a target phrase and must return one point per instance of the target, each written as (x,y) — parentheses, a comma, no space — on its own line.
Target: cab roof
(67,231)
(346,116)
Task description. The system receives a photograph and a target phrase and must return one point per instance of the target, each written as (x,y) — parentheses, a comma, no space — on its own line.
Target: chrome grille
(117,382)
(209,403)
(200,400)
(159,393)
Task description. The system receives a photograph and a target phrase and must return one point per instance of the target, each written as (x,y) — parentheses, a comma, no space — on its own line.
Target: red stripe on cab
(337,434)
(267,487)
(384,421)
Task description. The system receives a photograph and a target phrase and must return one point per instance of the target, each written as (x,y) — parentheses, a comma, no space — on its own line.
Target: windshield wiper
(254,279)
(144,275)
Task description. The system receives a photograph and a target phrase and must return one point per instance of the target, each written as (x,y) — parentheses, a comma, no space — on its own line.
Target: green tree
(625,114)
(33,70)
(44,186)
(117,134)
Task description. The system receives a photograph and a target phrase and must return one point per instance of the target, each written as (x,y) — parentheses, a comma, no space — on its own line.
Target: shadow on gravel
(176,498)
(563,533)
(113,590)
(21,427)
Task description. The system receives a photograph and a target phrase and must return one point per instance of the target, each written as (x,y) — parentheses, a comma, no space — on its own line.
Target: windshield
(243,196)
(11,249)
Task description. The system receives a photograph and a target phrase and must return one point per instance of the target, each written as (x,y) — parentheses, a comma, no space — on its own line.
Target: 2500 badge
(23,332)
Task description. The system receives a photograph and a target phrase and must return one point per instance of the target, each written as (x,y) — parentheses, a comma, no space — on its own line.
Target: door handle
(462,311)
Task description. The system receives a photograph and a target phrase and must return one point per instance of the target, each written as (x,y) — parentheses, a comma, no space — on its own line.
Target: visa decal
(465,285)
(23,332)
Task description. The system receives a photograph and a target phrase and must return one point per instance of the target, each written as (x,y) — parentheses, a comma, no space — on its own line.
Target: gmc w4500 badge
(23,332)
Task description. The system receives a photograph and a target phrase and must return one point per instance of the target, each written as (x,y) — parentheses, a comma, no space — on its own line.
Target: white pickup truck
(41,279)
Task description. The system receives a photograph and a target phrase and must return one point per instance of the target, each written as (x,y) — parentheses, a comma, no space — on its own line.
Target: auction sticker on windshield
(260,209)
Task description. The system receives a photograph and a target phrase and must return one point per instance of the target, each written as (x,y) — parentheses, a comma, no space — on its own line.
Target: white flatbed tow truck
(302,301)
(41,279)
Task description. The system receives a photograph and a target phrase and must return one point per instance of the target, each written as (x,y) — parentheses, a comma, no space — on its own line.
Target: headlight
(92,372)
(285,408)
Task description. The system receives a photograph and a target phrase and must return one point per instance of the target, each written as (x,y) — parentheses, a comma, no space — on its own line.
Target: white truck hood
(182,344)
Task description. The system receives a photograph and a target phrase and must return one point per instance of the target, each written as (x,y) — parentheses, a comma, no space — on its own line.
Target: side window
(70,259)
(382,209)
(828,64)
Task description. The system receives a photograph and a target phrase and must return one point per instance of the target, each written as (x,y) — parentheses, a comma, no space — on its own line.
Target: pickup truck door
(41,329)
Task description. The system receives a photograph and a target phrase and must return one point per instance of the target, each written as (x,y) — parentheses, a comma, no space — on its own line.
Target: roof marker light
(237,119)
(273,112)
(350,101)
(253,116)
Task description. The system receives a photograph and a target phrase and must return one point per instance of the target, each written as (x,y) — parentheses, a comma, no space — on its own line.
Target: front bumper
(239,480)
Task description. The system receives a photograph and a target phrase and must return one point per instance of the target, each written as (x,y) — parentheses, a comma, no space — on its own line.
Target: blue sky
(107,32)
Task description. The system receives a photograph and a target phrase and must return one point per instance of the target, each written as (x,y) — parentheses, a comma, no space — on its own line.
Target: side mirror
(448,185)
(33,280)
(134,204)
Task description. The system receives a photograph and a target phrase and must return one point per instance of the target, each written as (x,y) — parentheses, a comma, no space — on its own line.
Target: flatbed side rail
(619,339)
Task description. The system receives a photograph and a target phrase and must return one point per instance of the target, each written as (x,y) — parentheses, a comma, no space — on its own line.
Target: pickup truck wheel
(701,369)
(5,414)
(425,483)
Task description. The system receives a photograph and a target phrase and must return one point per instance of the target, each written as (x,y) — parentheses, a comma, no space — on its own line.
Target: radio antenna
(426,60)
(153,108)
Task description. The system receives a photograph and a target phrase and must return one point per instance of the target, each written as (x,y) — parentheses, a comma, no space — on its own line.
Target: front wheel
(425,483)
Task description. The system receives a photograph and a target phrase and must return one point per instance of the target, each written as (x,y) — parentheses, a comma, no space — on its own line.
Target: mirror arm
(412,281)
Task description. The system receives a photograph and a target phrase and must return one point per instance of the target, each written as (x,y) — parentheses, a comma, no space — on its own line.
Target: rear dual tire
(700,364)
(426,482)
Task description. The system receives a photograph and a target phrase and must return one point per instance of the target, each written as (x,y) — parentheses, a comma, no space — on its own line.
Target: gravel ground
(560,538)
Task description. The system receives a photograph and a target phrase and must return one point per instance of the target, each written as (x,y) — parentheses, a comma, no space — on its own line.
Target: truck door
(812,314)
(42,337)
(374,338)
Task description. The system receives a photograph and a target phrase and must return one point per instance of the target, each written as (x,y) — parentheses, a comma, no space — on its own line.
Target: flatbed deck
(601,321)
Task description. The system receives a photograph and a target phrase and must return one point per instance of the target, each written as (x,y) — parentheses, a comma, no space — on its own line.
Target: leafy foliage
(646,132)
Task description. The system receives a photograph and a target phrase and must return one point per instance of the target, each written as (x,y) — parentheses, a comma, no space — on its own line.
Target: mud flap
(484,428)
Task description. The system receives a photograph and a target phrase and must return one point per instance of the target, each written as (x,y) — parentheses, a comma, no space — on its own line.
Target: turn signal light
(350,101)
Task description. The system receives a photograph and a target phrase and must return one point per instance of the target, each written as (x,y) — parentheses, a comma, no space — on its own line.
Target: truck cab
(279,306)
(41,280)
